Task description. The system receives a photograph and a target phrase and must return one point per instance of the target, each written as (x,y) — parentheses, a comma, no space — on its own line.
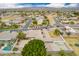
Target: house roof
(6,35)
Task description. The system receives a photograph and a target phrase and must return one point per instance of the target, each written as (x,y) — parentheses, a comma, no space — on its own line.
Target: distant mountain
(45,8)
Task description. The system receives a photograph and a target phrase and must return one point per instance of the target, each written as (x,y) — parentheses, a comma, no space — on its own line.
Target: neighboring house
(7,22)
(7,35)
(39,19)
(69,29)
(73,18)
(16,21)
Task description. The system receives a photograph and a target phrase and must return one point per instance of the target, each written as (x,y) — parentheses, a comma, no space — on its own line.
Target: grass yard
(72,41)
(52,35)
(55,38)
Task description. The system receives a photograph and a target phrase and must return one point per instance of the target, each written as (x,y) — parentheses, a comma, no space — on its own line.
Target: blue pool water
(7,48)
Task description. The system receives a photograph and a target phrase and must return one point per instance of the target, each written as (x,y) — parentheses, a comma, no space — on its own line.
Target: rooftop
(6,35)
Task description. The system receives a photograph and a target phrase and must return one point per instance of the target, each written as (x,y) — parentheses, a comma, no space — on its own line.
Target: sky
(23,5)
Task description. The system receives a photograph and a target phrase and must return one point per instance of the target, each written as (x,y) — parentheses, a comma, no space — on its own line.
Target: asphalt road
(28,23)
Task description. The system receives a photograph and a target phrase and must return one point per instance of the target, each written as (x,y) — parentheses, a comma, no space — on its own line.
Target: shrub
(15,49)
(77,44)
(57,32)
(64,53)
(21,35)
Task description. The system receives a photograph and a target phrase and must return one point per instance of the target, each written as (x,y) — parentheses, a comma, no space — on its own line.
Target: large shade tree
(34,48)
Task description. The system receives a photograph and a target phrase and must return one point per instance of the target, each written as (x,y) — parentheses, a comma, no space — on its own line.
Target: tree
(0,21)
(71,22)
(76,13)
(21,35)
(45,22)
(34,22)
(68,33)
(45,17)
(0,18)
(34,48)
(2,25)
(15,26)
(57,32)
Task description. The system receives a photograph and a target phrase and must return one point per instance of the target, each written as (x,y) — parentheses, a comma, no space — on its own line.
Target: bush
(34,48)
(21,35)
(71,22)
(57,32)
(68,33)
(63,53)
(34,22)
(15,49)
(45,22)
(77,44)
(2,44)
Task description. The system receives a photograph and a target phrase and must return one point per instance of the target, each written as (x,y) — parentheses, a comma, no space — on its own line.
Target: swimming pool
(7,48)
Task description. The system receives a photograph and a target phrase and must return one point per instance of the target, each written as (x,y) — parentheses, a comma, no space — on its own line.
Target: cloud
(56,5)
(22,5)
(60,5)
(7,6)
(72,5)
(33,4)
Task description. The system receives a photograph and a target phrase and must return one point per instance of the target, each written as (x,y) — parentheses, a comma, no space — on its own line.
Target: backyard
(55,34)
(73,41)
